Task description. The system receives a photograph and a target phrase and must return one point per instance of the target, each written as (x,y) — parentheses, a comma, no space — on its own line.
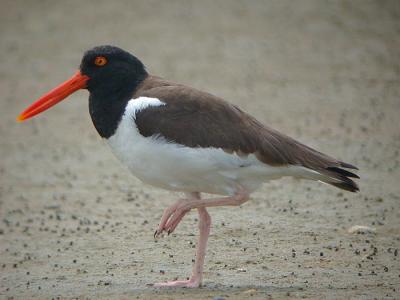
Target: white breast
(175,167)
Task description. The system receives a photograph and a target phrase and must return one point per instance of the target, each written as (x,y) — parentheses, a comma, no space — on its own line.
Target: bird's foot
(191,283)
(171,218)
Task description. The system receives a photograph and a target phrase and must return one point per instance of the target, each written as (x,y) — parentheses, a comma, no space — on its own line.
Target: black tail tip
(348,166)
(348,185)
(343,176)
(343,172)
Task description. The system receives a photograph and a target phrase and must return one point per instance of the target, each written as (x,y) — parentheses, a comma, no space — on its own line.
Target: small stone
(360,229)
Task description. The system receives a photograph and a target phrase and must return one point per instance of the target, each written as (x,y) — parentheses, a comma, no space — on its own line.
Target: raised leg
(169,211)
(183,207)
(197,273)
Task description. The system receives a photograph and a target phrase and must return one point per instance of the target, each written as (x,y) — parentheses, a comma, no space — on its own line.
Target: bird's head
(103,69)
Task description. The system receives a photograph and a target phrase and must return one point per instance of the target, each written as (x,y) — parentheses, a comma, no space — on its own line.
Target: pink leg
(169,211)
(197,273)
(204,227)
(183,207)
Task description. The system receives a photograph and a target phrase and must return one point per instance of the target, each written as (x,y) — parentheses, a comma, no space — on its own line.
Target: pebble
(361,229)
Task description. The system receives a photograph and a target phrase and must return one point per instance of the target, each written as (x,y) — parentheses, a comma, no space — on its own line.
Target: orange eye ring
(100,61)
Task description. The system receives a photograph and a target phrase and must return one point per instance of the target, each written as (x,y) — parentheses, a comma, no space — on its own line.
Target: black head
(110,68)
(110,74)
(113,75)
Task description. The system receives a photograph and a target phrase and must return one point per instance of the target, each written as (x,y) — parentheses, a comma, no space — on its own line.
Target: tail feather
(343,172)
(348,186)
(348,166)
(340,178)
(321,166)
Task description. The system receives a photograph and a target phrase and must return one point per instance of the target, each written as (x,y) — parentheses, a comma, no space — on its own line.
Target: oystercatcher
(181,139)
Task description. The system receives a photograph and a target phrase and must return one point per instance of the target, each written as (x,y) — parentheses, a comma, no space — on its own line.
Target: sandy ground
(76,224)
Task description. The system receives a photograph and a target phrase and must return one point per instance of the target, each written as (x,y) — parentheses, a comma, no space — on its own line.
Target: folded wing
(197,119)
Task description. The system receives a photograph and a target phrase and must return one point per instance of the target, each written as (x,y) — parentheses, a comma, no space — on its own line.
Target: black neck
(106,106)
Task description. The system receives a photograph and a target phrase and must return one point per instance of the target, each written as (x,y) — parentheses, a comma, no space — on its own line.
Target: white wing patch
(136,105)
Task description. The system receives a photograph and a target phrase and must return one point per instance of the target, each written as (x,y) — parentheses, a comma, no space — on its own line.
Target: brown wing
(197,119)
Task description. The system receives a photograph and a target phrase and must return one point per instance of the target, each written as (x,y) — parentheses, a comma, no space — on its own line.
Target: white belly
(175,167)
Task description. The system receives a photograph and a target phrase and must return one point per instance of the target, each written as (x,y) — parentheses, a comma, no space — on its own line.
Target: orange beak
(76,82)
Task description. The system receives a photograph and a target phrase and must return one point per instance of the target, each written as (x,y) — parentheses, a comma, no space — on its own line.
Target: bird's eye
(100,61)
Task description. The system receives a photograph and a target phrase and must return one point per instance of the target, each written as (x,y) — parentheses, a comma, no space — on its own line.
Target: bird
(178,138)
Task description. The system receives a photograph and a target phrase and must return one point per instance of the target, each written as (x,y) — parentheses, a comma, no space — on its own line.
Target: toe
(177,283)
